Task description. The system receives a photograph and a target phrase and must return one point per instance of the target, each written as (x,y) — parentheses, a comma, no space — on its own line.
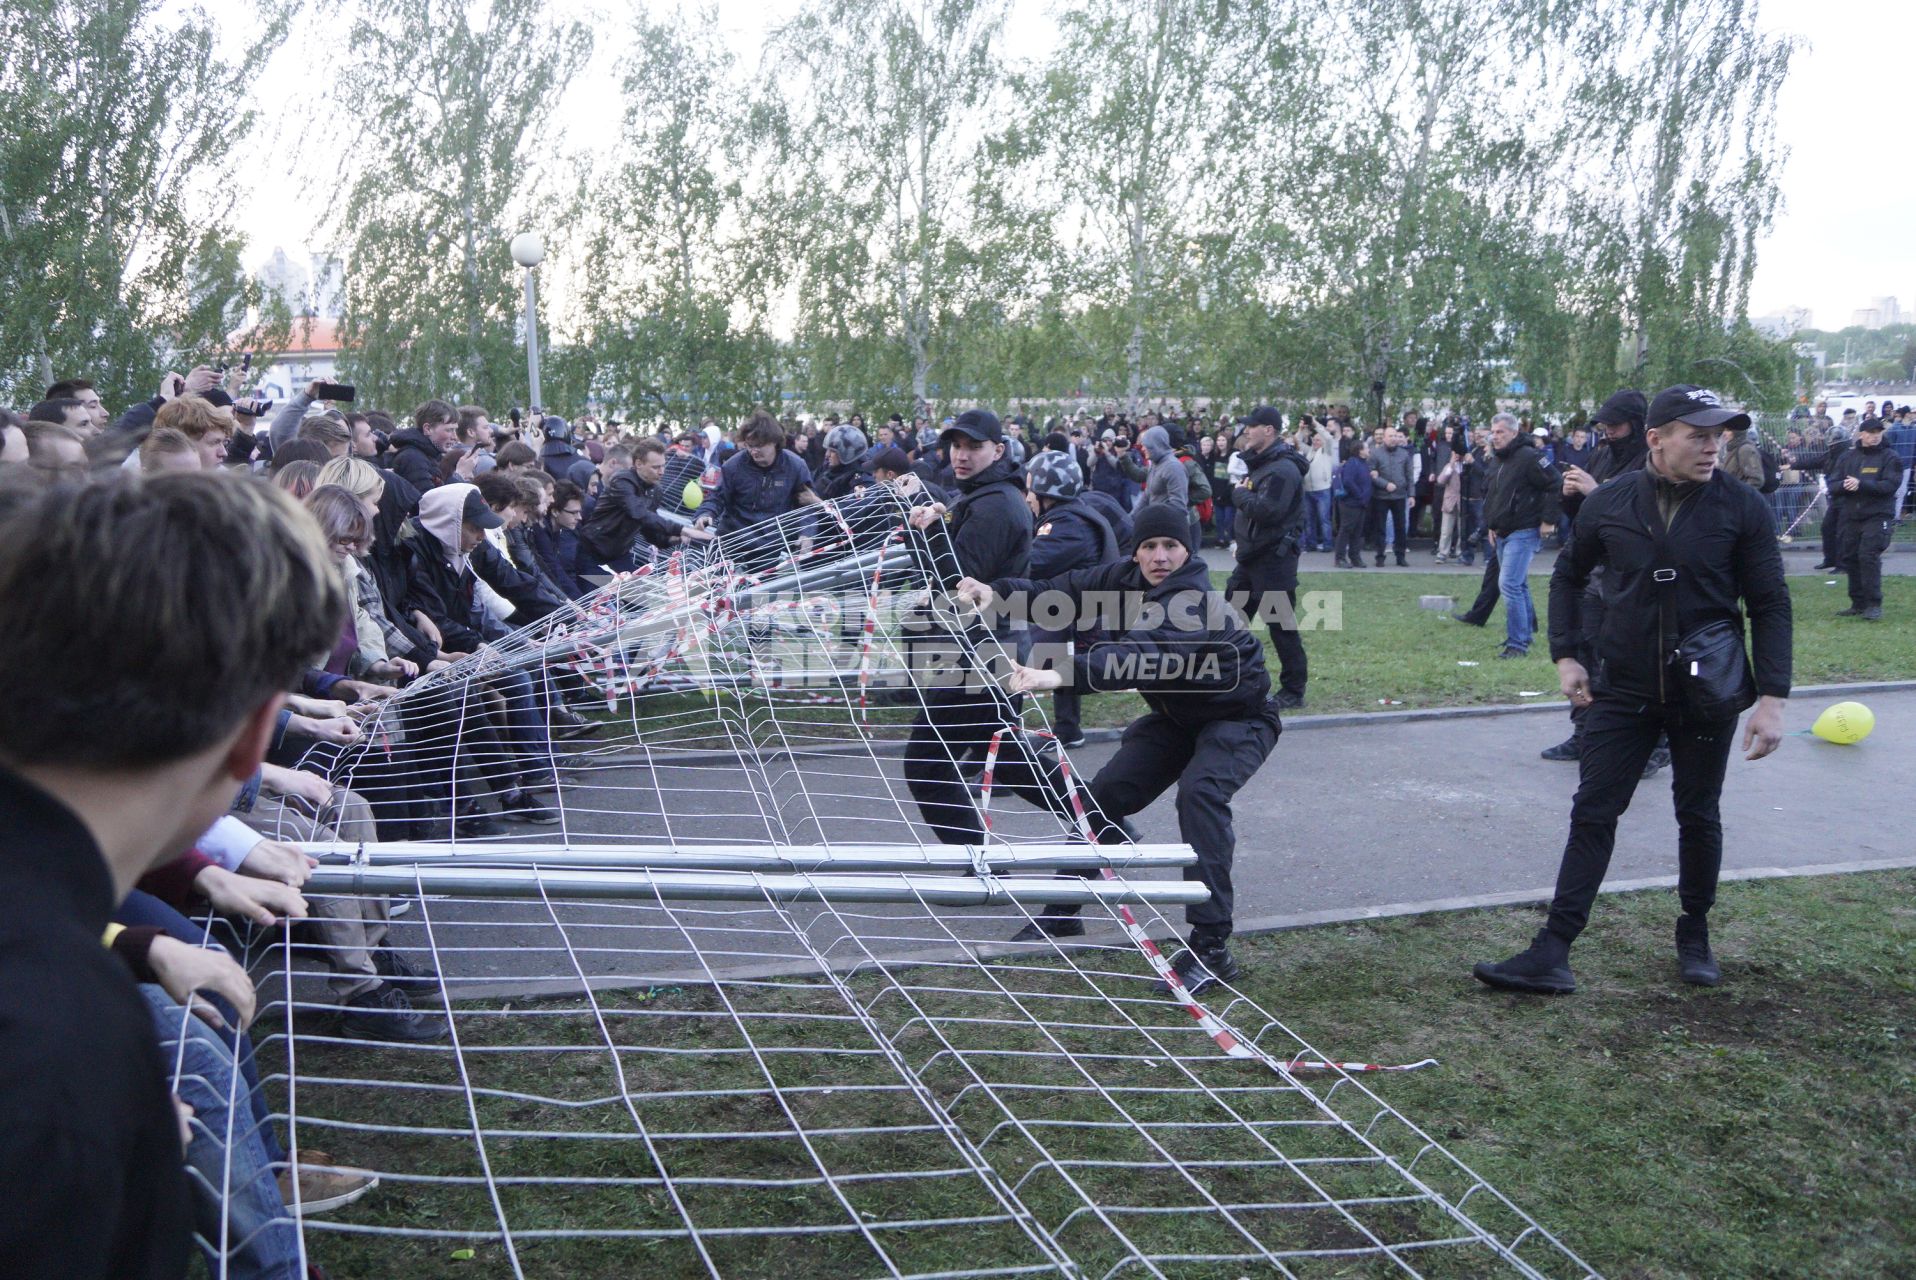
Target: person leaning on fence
(1211,725)
(109,767)
(1864,483)
(1685,550)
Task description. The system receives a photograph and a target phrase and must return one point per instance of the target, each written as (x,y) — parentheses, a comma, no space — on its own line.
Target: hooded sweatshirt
(443,512)
(1165,482)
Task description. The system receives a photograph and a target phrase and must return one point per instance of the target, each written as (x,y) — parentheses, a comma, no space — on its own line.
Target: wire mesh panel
(810,1058)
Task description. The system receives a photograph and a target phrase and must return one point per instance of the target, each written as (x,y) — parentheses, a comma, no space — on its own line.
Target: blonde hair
(194,418)
(355,475)
(163,440)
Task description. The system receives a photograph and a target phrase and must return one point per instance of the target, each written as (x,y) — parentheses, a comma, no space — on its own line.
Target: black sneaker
(1568,749)
(1073,739)
(1658,759)
(1693,952)
(1045,927)
(1469,620)
(477,826)
(1873,614)
(1542,968)
(1509,652)
(384,1013)
(1288,701)
(396,969)
(516,806)
(1851,612)
(1200,971)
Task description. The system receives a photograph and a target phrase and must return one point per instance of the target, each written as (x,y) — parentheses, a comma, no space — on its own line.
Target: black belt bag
(1713,672)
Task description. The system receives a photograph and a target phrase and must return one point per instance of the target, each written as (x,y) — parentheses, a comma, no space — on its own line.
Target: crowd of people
(246,580)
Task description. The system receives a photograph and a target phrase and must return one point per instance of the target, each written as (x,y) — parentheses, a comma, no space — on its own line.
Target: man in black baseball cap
(1687,552)
(1269,502)
(1863,483)
(974,424)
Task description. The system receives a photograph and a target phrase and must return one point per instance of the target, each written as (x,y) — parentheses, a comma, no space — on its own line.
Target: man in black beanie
(1210,727)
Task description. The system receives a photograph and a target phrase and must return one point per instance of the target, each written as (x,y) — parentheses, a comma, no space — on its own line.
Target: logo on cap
(1703,395)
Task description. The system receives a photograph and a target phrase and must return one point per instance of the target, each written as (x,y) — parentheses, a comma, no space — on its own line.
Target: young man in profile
(195,598)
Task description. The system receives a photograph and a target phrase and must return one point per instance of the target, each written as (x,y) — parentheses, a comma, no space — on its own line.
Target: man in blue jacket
(761,482)
(1210,727)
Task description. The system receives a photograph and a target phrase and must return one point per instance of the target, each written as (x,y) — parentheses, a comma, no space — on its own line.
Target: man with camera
(1686,550)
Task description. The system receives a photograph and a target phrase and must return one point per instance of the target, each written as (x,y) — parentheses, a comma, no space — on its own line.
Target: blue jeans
(227,1166)
(1515,551)
(1317,519)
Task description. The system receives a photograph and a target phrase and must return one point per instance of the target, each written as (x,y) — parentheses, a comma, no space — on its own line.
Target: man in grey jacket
(1165,483)
(1390,495)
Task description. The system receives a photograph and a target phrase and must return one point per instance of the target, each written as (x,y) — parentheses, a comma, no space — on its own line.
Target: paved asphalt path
(1344,819)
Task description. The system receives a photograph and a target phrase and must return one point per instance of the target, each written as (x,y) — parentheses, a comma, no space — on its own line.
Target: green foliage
(444,113)
(117,260)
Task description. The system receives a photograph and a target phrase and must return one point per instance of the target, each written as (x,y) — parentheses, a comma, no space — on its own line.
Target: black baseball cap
(1626,406)
(477,512)
(1696,406)
(1262,416)
(1871,424)
(979,424)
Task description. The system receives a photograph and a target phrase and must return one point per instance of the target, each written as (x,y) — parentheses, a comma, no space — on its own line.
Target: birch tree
(447,108)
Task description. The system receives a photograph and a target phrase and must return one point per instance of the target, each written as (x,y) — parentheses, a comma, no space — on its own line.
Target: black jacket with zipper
(1270,505)
(1525,491)
(1722,541)
(1878,473)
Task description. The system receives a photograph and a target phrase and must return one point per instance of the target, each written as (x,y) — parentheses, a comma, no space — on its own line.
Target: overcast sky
(1846,232)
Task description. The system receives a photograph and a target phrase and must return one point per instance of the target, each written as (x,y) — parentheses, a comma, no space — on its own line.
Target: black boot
(1543,968)
(1693,952)
(1054,921)
(1569,749)
(1203,964)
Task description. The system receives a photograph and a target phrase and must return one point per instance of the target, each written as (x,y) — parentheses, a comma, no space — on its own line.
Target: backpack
(1772,466)
(1200,483)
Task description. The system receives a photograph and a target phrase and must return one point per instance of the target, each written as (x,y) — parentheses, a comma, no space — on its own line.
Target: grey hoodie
(1165,482)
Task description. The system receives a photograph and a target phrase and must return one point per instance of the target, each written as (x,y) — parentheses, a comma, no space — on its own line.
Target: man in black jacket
(1863,483)
(989,528)
(107,768)
(1211,724)
(416,450)
(1685,550)
(627,510)
(1269,528)
(1622,449)
(1520,512)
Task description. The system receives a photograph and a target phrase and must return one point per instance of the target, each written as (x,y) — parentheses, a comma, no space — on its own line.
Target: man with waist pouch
(1686,551)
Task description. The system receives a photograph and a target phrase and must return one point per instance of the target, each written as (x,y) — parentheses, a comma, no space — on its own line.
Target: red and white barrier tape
(1222,1035)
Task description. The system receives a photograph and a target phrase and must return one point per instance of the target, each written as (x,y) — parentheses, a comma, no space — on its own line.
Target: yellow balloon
(693,495)
(1844,723)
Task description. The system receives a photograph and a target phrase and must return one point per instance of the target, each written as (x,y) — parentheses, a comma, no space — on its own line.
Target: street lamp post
(528,252)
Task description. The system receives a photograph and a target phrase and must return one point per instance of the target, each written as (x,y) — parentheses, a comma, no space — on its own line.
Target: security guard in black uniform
(961,708)
(1686,550)
(1071,535)
(1211,725)
(1621,449)
(1863,484)
(1270,534)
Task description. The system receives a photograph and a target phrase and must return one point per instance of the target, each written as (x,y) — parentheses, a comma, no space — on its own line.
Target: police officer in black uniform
(1211,725)
(961,707)
(1070,535)
(1621,449)
(1686,551)
(1269,526)
(846,469)
(1863,483)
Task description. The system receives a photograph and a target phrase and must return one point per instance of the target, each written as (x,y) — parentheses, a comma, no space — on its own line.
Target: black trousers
(952,735)
(1833,535)
(1618,737)
(1489,590)
(1209,764)
(1394,511)
(1350,532)
(1276,577)
(1865,538)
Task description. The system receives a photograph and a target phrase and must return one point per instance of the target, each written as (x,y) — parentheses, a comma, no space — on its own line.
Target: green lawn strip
(1764,1128)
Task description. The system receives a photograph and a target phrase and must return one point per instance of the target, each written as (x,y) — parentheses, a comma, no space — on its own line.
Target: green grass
(1763,1128)
(1390,655)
